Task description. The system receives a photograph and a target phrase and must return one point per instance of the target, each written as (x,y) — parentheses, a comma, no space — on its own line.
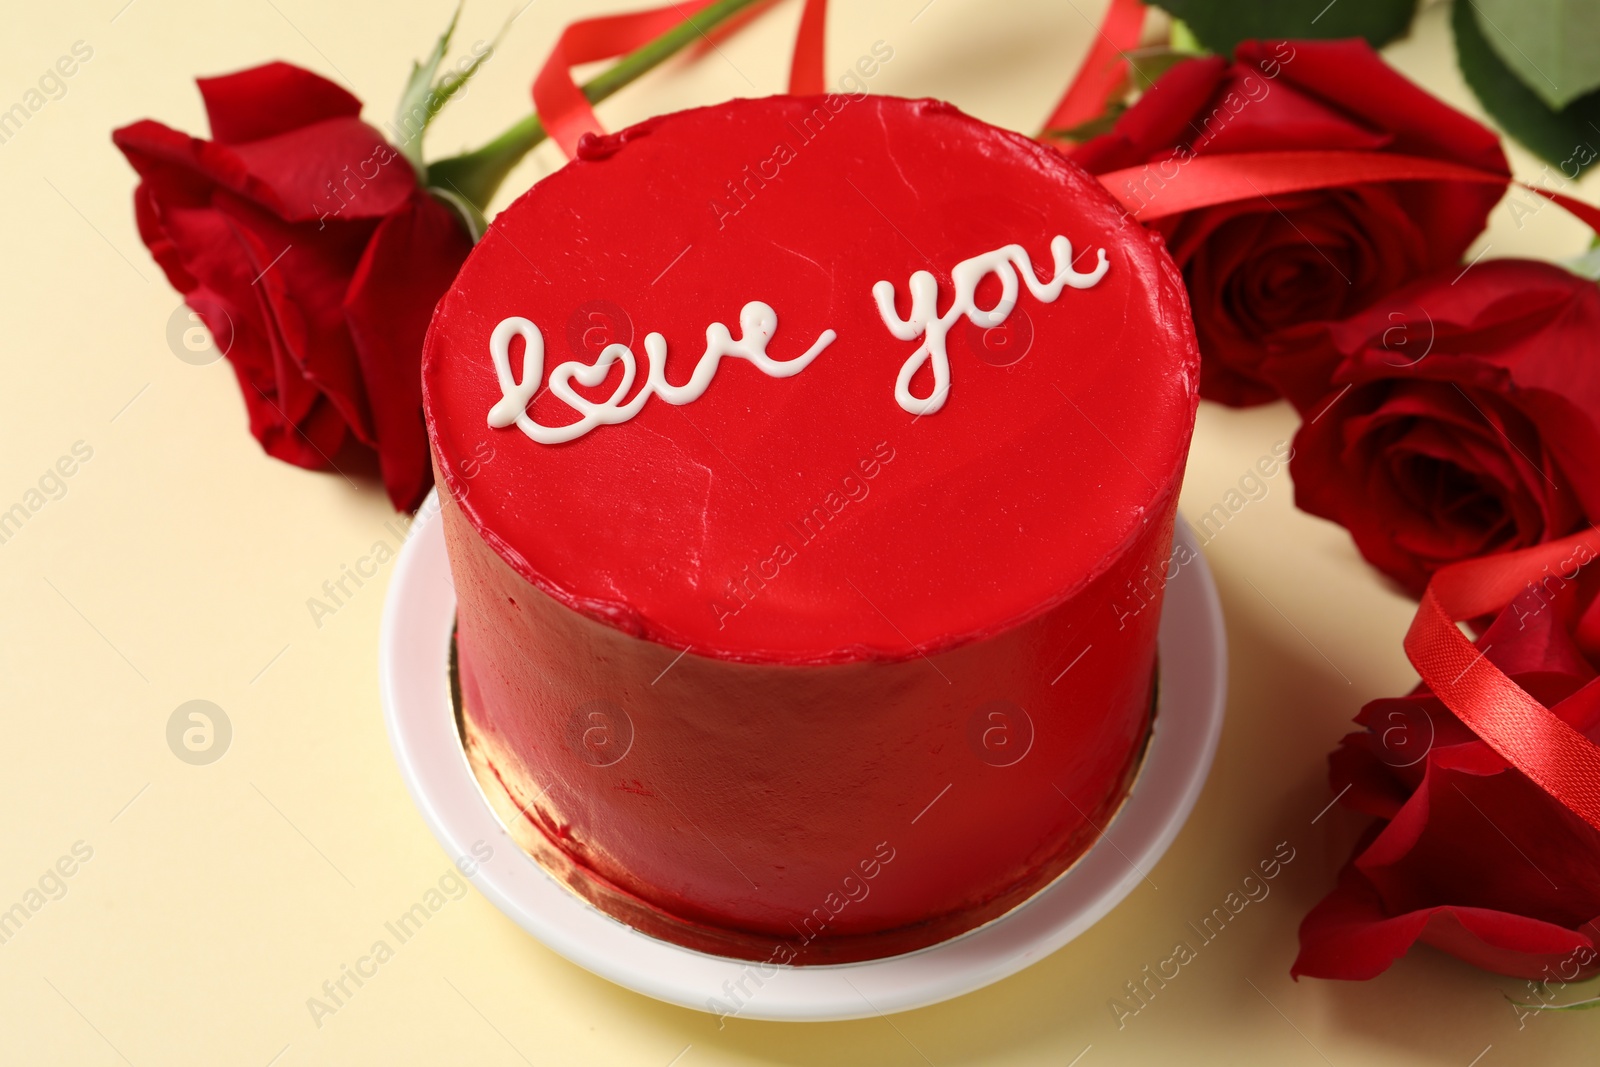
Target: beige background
(177,566)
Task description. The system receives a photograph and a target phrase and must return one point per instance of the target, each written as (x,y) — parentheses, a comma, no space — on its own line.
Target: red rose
(1469,855)
(1258,269)
(304,242)
(1463,418)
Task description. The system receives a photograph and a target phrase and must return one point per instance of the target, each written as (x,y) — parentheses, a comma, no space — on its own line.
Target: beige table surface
(177,566)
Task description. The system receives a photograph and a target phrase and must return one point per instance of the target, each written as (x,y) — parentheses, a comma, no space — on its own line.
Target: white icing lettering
(757,323)
(925,322)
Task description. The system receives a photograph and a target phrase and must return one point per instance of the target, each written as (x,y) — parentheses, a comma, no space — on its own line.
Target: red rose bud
(1463,417)
(1468,854)
(305,243)
(1259,269)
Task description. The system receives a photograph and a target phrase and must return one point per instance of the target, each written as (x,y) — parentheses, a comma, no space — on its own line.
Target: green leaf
(1567,138)
(1553,46)
(1221,24)
(414,112)
(424,97)
(1588,1004)
(1149,64)
(1184,40)
(1586,265)
(468,212)
(1085,131)
(474,176)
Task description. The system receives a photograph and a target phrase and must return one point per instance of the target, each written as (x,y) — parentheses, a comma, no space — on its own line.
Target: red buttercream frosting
(787,671)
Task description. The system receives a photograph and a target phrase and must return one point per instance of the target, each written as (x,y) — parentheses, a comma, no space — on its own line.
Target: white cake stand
(413,663)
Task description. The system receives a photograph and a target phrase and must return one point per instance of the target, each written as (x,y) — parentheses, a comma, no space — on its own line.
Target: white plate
(413,662)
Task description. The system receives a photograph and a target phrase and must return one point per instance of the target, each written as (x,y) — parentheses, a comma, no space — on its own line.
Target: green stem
(476,175)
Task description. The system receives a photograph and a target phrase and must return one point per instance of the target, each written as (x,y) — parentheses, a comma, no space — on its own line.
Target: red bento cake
(808,469)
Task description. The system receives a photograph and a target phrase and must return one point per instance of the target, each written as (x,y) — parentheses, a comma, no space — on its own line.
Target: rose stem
(477,174)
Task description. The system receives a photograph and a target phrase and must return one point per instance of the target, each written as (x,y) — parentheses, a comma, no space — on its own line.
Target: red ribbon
(559,102)
(1104,69)
(1176,185)
(807,76)
(566,112)
(1528,735)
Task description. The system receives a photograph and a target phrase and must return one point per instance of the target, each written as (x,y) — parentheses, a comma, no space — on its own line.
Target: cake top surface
(814,379)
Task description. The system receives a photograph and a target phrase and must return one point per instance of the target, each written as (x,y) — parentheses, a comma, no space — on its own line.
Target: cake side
(740,808)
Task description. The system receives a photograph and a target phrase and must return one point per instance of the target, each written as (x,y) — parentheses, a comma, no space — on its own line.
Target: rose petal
(340,169)
(1253,113)
(1476,834)
(1158,120)
(264,101)
(303,275)
(1372,92)
(409,264)
(1348,935)
(1256,284)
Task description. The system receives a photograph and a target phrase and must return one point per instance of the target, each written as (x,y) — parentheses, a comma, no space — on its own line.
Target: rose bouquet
(1466,852)
(1260,269)
(1458,417)
(1320,207)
